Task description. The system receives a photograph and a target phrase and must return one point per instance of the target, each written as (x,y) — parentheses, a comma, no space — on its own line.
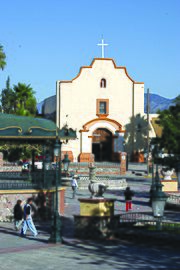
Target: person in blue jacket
(28,222)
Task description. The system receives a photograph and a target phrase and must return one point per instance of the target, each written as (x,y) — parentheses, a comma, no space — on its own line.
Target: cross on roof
(102,44)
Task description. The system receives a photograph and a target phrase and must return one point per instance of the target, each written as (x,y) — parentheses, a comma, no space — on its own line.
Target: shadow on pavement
(67,227)
(121,254)
(10,231)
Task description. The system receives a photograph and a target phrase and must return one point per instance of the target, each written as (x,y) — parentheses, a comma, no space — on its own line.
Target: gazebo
(43,185)
(21,130)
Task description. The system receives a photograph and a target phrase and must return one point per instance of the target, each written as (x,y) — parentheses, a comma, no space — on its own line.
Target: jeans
(28,224)
(74,188)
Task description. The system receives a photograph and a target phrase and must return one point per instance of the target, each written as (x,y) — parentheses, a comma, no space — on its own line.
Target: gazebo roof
(13,127)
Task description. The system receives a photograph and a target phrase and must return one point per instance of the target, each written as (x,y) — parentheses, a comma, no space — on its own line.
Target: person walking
(74,185)
(128,194)
(28,222)
(18,215)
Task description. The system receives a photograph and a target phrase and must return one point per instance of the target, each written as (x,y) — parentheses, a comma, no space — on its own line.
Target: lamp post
(47,163)
(56,222)
(158,198)
(47,167)
(66,162)
(152,171)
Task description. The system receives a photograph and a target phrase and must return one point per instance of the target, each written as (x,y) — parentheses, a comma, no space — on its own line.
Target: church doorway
(102,144)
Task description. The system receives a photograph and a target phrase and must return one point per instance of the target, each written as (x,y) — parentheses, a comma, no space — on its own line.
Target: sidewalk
(37,253)
(140,186)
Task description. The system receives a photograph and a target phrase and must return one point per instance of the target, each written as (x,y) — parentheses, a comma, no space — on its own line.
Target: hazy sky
(49,40)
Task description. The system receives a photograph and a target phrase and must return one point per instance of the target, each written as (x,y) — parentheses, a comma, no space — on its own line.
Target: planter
(167,174)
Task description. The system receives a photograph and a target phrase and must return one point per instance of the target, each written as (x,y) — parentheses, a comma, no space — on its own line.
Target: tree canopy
(169,120)
(2,58)
(20,100)
(7,98)
(25,100)
(136,134)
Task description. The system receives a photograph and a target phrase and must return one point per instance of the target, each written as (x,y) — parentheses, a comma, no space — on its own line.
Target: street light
(66,162)
(47,168)
(152,171)
(158,197)
(56,222)
(47,163)
(65,134)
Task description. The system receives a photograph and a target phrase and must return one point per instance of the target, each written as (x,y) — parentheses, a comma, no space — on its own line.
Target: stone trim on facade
(98,107)
(114,123)
(91,65)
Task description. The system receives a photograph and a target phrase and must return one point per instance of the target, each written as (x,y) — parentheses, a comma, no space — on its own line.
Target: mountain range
(157,102)
(47,107)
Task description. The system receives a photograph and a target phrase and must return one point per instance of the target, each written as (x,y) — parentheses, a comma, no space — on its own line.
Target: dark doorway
(102,144)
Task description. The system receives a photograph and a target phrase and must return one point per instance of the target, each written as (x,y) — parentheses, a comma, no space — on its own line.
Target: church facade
(98,103)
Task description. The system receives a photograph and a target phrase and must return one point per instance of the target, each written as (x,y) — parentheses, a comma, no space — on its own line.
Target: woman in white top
(74,185)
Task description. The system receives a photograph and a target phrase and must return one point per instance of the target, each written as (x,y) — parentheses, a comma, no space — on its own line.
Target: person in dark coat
(18,215)
(128,194)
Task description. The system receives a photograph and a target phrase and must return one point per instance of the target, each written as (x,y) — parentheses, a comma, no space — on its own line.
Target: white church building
(98,103)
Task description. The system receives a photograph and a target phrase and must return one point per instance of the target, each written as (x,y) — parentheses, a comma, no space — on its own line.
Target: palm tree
(2,58)
(136,135)
(25,100)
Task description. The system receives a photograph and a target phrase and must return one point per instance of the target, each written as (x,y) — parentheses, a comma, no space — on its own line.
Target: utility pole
(133,126)
(148,108)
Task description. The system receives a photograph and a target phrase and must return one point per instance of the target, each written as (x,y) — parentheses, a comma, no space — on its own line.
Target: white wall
(77,99)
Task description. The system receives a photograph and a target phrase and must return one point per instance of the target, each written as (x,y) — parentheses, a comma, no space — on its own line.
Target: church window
(102,107)
(103,83)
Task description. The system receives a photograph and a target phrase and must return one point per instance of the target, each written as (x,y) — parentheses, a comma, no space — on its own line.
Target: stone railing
(174,198)
(11,175)
(83,182)
(17,185)
(20,180)
(111,183)
(79,165)
(10,168)
(136,216)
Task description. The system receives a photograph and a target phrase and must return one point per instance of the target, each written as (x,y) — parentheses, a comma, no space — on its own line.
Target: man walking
(28,222)
(74,185)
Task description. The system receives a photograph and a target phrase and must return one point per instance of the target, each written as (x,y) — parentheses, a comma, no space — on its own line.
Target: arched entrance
(102,144)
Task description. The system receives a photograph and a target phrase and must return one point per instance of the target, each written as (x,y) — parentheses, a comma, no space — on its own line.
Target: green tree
(25,101)
(20,100)
(2,58)
(177,100)
(7,98)
(136,135)
(169,120)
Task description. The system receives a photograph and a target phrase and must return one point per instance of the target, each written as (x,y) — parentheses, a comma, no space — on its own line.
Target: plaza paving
(37,253)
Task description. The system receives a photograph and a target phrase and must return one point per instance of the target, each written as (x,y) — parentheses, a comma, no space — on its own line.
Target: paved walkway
(36,253)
